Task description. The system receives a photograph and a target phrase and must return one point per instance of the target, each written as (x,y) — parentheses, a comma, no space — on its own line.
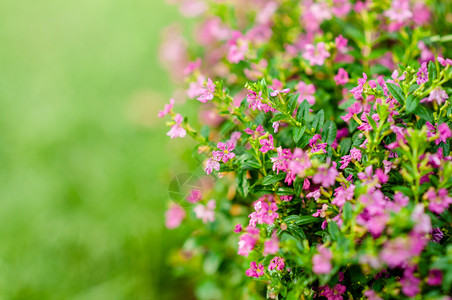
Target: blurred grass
(83,160)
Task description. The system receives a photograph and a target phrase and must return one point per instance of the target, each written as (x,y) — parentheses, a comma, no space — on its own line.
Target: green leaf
(205,131)
(413,88)
(301,220)
(318,120)
(345,144)
(347,212)
(422,112)
(270,179)
(411,103)
(278,117)
(292,102)
(329,132)
(243,185)
(371,122)
(396,92)
(334,231)
(303,111)
(431,72)
(285,191)
(298,133)
(296,231)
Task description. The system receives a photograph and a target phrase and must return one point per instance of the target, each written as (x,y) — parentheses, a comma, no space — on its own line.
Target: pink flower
(396,78)
(371,295)
(341,42)
(174,216)
(333,293)
(207,91)
(238,228)
(343,195)
(267,144)
(225,152)
(167,109)
(276,263)
(435,277)
(322,262)
(399,251)
(355,108)
(281,161)
(444,133)
(255,102)
(177,130)
(422,74)
(255,270)
(271,246)
(192,66)
(248,241)
(205,213)
(444,62)
(342,77)
(325,176)
(194,196)
(437,235)
(212,165)
(237,52)
(265,213)
(317,54)
(286,197)
(195,88)
(438,95)
(306,92)
(277,92)
(355,155)
(438,202)
(399,11)
(410,283)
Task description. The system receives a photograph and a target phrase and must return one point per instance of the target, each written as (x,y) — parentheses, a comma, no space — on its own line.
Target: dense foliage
(327,129)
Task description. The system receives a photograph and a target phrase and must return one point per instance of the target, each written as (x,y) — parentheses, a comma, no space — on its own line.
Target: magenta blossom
(207,91)
(325,175)
(342,77)
(194,196)
(174,216)
(342,195)
(167,109)
(396,78)
(422,74)
(255,270)
(255,102)
(333,293)
(438,95)
(306,92)
(271,246)
(225,152)
(211,165)
(205,213)
(238,228)
(248,241)
(435,277)
(317,54)
(437,201)
(267,144)
(276,263)
(322,262)
(265,213)
(177,130)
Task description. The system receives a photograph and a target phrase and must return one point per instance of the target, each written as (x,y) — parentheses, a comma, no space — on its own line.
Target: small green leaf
(334,231)
(296,231)
(303,111)
(329,132)
(411,103)
(301,220)
(298,133)
(422,112)
(292,102)
(278,117)
(345,144)
(396,92)
(270,179)
(413,88)
(347,212)
(431,72)
(319,119)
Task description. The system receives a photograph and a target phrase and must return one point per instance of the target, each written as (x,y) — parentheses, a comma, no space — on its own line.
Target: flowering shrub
(329,142)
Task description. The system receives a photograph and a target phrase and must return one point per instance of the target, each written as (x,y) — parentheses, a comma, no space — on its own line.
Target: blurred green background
(84,161)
